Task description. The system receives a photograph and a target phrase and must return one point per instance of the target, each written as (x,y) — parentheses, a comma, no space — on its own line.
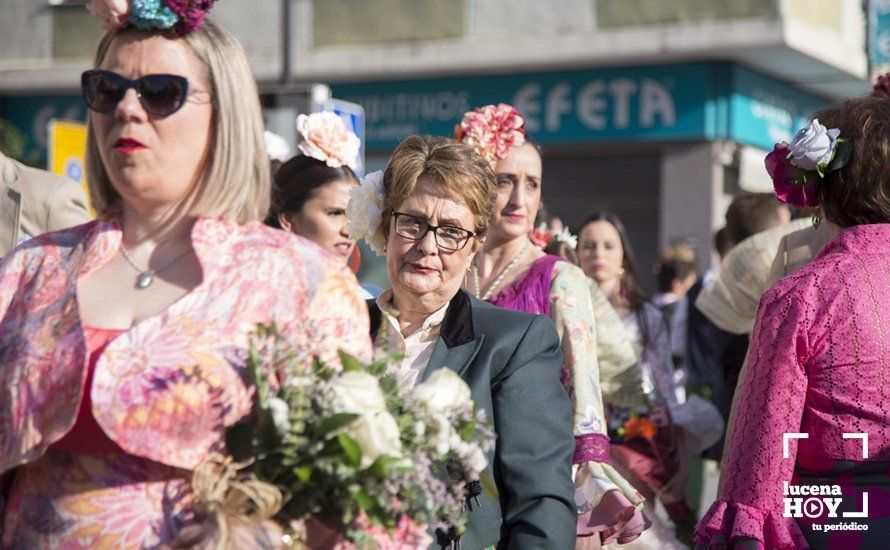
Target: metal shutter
(578,185)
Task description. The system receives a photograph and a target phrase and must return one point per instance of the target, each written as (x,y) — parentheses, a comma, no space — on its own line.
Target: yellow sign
(67,151)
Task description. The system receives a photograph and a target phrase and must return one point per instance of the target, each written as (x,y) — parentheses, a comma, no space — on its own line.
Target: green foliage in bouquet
(355,450)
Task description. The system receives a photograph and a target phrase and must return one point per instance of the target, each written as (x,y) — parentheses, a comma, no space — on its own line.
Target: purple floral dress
(558,289)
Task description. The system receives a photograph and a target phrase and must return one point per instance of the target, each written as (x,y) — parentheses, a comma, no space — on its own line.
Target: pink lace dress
(818,366)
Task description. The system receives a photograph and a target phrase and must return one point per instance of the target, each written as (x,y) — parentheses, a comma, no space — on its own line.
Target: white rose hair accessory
(276,146)
(326,138)
(565,236)
(365,212)
(797,167)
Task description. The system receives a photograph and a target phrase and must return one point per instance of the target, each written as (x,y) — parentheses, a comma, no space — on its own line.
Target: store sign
(674,102)
(603,105)
(764,112)
(67,151)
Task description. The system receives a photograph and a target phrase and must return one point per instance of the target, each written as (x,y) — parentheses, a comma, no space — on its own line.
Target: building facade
(658,110)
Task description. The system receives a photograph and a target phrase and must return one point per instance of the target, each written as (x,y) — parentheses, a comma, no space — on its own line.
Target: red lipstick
(423,270)
(129,145)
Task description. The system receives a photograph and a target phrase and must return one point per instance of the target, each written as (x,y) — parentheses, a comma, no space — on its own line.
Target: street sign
(67,148)
(353,116)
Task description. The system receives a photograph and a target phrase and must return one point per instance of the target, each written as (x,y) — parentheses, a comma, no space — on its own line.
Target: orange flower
(639,427)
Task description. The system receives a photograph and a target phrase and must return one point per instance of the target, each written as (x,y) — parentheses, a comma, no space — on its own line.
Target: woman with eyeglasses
(513,273)
(437,199)
(122,341)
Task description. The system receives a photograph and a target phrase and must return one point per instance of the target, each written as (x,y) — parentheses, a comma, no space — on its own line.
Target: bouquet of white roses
(374,462)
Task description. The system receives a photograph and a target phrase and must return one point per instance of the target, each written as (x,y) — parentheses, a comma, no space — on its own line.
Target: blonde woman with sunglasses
(122,341)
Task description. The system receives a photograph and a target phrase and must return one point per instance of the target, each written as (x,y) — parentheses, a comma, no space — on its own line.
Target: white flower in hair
(564,235)
(365,212)
(813,146)
(327,139)
(276,146)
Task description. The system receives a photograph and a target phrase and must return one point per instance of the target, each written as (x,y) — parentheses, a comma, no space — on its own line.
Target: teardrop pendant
(144,279)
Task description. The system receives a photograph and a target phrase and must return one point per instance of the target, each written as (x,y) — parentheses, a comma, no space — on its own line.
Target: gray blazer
(511,361)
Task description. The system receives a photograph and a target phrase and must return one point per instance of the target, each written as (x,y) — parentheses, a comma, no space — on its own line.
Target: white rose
(444,391)
(365,212)
(359,393)
(279,410)
(375,431)
(276,146)
(377,434)
(813,145)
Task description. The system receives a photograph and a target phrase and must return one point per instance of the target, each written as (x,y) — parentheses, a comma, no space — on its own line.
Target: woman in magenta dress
(819,357)
(512,272)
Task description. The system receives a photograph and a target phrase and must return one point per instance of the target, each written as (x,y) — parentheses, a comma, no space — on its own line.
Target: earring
(817,218)
(620,272)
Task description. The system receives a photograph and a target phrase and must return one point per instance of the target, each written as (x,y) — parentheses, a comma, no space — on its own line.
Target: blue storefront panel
(657,103)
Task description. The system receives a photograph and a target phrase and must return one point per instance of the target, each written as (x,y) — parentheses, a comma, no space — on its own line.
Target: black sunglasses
(159,94)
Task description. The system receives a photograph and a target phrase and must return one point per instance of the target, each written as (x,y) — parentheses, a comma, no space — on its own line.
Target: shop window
(342,22)
(75,32)
(630,13)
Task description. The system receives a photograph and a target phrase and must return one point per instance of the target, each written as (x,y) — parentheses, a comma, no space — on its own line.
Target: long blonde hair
(234,182)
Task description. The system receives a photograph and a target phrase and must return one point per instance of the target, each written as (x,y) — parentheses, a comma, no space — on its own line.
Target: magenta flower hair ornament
(798,167)
(178,16)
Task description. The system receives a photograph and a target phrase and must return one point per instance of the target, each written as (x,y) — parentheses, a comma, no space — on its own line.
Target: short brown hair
(458,168)
(235,182)
(750,214)
(675,263)
(859,193)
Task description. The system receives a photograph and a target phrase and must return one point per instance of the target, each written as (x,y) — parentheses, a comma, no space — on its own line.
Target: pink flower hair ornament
(326,138)
(180,16)
(492,130)
(796,168)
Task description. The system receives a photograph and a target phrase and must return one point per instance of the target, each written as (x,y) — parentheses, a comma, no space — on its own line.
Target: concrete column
(693,198)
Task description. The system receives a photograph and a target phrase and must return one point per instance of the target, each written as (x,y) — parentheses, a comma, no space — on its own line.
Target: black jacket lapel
(457,344)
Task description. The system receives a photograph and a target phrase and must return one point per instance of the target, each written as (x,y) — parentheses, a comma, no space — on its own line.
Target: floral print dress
(553,287)
(163,391)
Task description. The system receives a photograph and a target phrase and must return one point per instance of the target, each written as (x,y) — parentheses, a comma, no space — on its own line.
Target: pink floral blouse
(818,364)
(164,391)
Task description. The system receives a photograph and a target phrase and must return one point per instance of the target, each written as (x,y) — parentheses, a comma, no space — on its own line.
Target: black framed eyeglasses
(159,94)
(448,237)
